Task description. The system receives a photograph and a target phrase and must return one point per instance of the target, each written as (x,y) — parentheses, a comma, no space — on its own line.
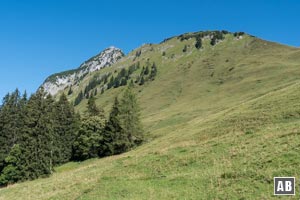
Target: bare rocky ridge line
(57,82)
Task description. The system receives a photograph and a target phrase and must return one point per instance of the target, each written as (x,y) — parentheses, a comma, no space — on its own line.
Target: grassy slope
(210,137)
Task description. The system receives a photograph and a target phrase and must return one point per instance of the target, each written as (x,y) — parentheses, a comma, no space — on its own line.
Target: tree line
(109,81)
(39,133)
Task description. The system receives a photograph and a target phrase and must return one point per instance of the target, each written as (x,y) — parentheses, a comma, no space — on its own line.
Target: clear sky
(41,37)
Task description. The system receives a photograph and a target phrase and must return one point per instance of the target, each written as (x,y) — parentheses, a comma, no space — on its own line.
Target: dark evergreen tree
(14,169)
(184,49)
(123,72)
(116,83)
(146,72)
(213,41)
(131,69)
(37,138)
(153,72)
(66,125)
(70,91)
(138,53)
(111,83)
(11,123)
(79,98)
(123,82)
(85,91)
(142,72)
(198,44)
(105,79)
(92,108)
(142,81)
(114,139)
(130,117)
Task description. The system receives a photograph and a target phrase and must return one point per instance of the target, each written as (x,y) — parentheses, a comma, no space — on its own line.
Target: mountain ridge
(59,81)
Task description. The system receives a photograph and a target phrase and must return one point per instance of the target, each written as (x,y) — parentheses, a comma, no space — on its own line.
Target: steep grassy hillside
(221,122)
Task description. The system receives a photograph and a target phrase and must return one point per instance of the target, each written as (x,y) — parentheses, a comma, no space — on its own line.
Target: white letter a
(280,186)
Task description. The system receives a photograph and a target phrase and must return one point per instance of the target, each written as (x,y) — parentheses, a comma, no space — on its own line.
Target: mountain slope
(221,120)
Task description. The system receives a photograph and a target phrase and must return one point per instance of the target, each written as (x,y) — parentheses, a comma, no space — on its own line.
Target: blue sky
(38,38)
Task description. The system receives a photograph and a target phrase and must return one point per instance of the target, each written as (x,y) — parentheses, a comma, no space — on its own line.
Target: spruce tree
(123,82)
(184,49)
(116,83)
(66,125)
(92,108)
(153,72)
(142,82)
(130,117)
(79,98)
(14,168)
(123,72)
(146,72)
(36,142)
(198,44)
(114,139)
(111,83)
(11,123)
(70,91)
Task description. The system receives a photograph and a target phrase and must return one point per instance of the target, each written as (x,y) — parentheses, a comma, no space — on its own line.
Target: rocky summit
(59,81)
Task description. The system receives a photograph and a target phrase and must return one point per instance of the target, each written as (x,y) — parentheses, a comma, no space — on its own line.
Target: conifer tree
(153,72)
(79,98)
(143,71)
(70,91)
(116,83)
(123,82)
(142,82)
(66,125)
(184,48)
(13,170)
(146,72)
(114,139)
(130,117)
(37,137)
(111,83)
(198,44)
(11,123)
(213,40)
(123,72)
(92,108)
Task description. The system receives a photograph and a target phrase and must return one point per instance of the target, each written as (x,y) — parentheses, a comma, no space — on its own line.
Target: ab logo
(284,185)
